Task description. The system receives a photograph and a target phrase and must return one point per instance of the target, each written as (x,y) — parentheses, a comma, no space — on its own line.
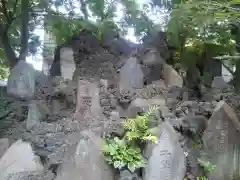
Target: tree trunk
(24,30)
(8,51)
(5,42)
(236,76)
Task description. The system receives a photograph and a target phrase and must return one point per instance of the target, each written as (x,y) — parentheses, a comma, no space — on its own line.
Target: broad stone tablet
(131,75)
(222,144)
(21,81)
(167,159)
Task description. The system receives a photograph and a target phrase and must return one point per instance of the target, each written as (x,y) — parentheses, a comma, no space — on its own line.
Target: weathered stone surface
(140,105)
(152,57)
(127,175)
(36,112)
(88,107)
(221,140)
(131,75)
(19,158)
(67,63)
(219,83)
(166,160)
(87,162)
(4,144)
(152,65)
(171,77)
(31,176)
(21,81)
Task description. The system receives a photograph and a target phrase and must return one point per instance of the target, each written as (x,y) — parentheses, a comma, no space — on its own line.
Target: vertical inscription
(165,163)
(221,141)
(84,106)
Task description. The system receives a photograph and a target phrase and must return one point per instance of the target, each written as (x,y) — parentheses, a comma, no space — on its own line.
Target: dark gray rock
(127,175)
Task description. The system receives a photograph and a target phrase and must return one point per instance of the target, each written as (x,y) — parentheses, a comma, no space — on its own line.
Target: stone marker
(87,98)
(166,160)
(34,114)
(19,158)
(4,144)
(131,75)
(171,77)
(221,140)
(88,110)
(152,57)
(127,175)
(67,63)
(21,81)
(140,105)
(88,162)
(219,83)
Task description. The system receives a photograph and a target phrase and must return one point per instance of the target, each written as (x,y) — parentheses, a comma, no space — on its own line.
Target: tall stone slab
(67,63)
(21,81)
(87,162)
(219,83)
(131,75)
(4,145)
(19,158)
(166,159)
(171,77)
(221,141)
(88,103)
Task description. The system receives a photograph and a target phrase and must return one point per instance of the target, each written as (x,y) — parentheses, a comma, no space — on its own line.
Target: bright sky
(156,16)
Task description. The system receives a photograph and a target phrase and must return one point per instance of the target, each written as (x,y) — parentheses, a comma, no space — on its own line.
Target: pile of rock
(60,135)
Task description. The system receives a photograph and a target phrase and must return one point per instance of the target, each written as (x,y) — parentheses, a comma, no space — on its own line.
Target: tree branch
(5,12)
(9,53)
(24,29)
(84,9)
(15,7)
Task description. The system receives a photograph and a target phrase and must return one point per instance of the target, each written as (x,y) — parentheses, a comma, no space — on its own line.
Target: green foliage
(196,24)
(137,128)
(202,178)
(125,152)
(122,155)
(207,167)
(4,73)
(3,103)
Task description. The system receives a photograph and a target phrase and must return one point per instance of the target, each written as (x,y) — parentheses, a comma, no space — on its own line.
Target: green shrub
(138,129)
(125,153)
(122,155)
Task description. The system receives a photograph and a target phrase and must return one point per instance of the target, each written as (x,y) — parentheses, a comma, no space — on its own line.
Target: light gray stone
(19,158)
(221,140)
(36,112)
(88,100)
(21,81)
(131,75)
(4,144)
(171,77)
(219,83)
(67,63)
(87,163)
(166,160)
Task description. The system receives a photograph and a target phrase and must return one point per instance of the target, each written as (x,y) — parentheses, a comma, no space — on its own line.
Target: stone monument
(221,142)
(166,160)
